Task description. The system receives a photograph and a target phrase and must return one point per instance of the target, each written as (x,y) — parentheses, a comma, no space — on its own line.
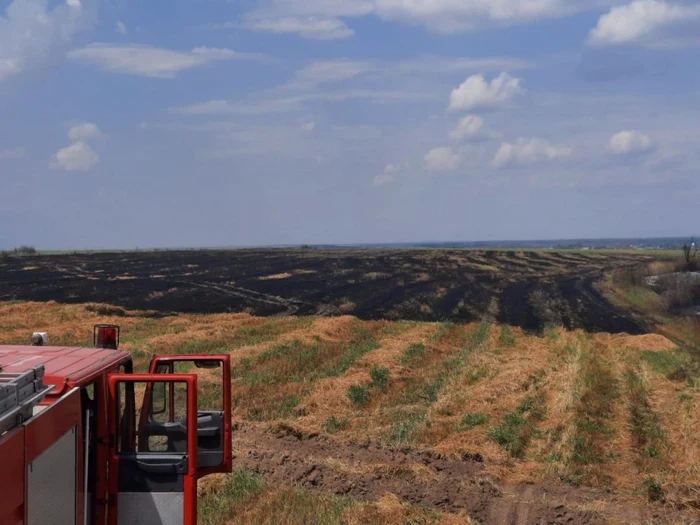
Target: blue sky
(126,123)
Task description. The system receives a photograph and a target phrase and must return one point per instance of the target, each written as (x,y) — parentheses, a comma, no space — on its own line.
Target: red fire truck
(85,441)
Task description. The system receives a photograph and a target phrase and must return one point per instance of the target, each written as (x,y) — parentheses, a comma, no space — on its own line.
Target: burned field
(530,289)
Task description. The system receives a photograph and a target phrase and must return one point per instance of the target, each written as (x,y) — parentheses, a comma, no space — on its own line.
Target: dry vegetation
(606,425)
(665,306)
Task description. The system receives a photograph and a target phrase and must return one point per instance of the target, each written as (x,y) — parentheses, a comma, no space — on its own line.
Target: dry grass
(242,497)
(329,399)
(386,470)
(275,277)
(664,395)
(585,408)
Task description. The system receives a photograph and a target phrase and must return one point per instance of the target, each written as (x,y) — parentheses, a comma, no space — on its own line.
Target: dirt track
(285,457)
(526,289)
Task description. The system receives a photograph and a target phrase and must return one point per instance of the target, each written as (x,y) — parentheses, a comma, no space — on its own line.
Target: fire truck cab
(85,441)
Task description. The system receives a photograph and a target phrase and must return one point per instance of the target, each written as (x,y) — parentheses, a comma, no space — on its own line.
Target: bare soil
(286,457)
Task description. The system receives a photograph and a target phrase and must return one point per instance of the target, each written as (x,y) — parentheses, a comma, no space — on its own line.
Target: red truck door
(153,467)
(214,439)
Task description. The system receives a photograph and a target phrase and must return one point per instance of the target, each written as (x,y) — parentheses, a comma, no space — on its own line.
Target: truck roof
(64,366)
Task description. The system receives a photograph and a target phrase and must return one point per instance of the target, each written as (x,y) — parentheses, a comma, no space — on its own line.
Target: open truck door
(214,435)
(153,467)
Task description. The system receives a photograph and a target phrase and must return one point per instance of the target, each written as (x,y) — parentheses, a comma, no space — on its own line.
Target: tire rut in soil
(317,463)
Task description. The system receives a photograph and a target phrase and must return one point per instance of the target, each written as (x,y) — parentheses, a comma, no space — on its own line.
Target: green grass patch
(214,345)
(513,435)
(244,496)
(300,507)
(294,367)
(566,352)
(649,436)
(643,299)
(654,490)
(300,362)
(506,338)
(280,408)
(279,351)
(443,330)
(550,332)
(665,363)
(470,421)
(399,327)
(333,425)
(414,352)
(425,390)
(380,378)
(534,404)
(359,396)
(518,427)
(268,330)
(406,427)
(363,343)
(239,488)
(596,391)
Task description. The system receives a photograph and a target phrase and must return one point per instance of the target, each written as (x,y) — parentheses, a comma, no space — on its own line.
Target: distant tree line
(22,250)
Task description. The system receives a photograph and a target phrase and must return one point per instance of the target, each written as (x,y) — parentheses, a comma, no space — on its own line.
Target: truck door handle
(162,468)
(207,431)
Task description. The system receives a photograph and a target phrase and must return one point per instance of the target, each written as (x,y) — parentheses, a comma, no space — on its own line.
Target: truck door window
(210,395)
(213,405)
(161,413)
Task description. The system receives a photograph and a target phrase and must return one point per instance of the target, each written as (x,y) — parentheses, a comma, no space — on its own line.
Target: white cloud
(151,61)
(529,151)
(442,159)
(329,71)
(120,27)
(439,64)
(308,127)
(9,68)
(648,22)
(296,103)
(390,169)
(84,131)
(372,95)
(451,16)
(626,142)
(76,157)
(447,16)
(476,92)
(323,8)
(216,53)
(31,33)
(468,127)
(311,27)
(12,154)
(220,107)
(381,180)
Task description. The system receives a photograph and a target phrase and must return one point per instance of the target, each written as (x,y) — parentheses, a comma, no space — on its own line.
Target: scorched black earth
(526,289)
